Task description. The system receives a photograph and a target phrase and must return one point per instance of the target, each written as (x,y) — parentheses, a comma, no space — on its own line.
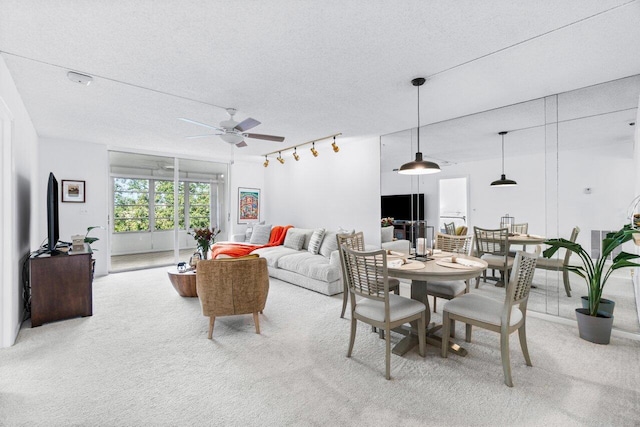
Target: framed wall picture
(73,191)
(248,205)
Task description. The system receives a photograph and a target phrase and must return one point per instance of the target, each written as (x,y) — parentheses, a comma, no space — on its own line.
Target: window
(131,204)
(199,205)
(163,205)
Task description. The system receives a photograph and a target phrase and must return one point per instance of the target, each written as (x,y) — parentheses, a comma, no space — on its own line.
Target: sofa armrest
(237,237)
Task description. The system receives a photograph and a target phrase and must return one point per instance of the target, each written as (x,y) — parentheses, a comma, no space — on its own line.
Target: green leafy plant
(90,240)
(386,222)
(596,272)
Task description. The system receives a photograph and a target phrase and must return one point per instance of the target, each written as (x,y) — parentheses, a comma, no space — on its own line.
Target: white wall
(331,191)
(19,144)
(81,161)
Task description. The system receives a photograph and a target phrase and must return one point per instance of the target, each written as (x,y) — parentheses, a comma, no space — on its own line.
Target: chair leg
(452,334)
(352,338)
(212,319)
(446,324)
(467,332)
(434,303)
(422,334)
(388,353)
(522,334)
(477,282)
(256,320)
(504,352)
(345,296)
(567,285)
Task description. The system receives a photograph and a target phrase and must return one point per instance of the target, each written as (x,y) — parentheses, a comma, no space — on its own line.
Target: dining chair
(450,289)
(371,301)
(492,245)
(356,241)
(504,317)
(450,228)
(557,264)
(522,228)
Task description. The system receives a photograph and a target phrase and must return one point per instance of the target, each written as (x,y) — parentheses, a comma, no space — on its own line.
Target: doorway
(453,193)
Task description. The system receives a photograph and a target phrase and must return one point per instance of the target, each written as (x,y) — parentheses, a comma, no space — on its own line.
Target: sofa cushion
(309,265)
(329,244)
(273,253)
(387,234)
(247,234)
(294,239)
(316,241)
(261,234)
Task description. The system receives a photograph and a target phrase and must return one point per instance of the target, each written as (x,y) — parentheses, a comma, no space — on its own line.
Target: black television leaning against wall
(401,207)
(53,232)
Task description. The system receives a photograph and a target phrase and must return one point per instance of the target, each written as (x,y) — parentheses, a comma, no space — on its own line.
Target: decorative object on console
(204,238)
(419,166)
(596,275)
(386,222)
(248,205)
(503,181)
(73,191)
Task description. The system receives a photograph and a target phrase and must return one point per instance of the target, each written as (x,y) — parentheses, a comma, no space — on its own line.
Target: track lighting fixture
(419,166)
(279,158)
(295,154)
(266,162)
(313,149)
(335,146)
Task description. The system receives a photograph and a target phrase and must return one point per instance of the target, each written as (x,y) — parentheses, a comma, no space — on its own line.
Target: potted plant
(204,238)
(593,324)
(89,240)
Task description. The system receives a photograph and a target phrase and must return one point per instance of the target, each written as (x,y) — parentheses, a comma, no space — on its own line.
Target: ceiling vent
(79,78)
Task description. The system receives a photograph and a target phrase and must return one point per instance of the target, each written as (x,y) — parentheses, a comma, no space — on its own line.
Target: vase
(596,329)
(606,305)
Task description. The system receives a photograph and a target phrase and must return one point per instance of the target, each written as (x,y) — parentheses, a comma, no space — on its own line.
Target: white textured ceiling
(304,69)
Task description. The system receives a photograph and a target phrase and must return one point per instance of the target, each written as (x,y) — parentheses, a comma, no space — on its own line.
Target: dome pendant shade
(503,181)
(419,167)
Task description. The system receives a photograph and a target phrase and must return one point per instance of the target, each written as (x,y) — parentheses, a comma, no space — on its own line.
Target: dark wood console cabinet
(61,286)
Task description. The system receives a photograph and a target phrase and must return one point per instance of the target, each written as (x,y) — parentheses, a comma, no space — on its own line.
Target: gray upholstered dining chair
(356,241)
(371,302)
(450,289)
(493,247)
(557,264)
(503,317)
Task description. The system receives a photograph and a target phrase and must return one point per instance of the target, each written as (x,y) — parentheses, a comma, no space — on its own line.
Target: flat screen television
(53,230)
(403,207)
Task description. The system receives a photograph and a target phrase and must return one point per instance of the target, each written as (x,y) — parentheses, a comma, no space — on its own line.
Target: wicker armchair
(498,316)
(493,247)
(368,283)
(232,286)
(450,289)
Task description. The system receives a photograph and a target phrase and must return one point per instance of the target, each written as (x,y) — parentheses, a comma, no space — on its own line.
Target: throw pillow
(294,239)
(387,234)
(260,235)
(247,234)
(329,244)
(316,240)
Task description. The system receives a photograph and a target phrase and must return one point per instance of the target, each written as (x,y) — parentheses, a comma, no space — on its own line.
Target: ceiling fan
(233,132)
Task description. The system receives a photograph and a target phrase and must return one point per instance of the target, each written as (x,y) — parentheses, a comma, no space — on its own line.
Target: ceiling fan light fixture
(419,166)
(503,181)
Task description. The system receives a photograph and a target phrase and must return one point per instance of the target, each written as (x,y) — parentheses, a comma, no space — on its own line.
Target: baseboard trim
(569,322)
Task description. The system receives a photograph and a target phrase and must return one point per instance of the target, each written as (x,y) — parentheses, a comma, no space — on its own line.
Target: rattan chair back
(456,244)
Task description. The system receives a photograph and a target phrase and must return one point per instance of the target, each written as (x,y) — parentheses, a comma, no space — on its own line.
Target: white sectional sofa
(319,272)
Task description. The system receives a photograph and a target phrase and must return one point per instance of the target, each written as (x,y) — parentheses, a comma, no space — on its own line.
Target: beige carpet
(144,359)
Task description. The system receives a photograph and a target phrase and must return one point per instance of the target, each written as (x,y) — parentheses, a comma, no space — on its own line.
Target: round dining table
(433,269)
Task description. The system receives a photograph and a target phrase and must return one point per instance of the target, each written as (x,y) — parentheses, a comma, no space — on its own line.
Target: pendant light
(419,166)
(503,181)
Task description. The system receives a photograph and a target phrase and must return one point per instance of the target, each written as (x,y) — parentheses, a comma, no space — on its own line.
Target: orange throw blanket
(276,238)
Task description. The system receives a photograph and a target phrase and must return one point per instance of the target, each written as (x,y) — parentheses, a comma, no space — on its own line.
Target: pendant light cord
(418,118)
(502,154)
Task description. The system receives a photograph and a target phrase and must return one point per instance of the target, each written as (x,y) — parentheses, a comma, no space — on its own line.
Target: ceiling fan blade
(267,137)
(247,124)
(200,124)
(241,144)
(203,136)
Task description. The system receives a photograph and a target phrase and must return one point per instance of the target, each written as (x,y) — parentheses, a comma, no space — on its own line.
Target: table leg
(419,293)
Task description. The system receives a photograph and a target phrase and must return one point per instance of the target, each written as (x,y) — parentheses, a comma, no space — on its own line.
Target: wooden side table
(183,283)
